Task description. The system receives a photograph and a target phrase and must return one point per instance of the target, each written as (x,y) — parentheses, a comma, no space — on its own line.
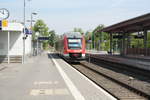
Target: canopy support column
(124,44)
(111,44)
(145,39)
(8,47)
(145,42)
(128,41)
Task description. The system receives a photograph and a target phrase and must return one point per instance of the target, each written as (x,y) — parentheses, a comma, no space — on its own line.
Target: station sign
(43,38)
(89,41)
(3,23)
(28,31)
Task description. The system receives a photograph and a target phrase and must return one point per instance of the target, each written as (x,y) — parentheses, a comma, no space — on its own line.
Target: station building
(123,31)
(11,43)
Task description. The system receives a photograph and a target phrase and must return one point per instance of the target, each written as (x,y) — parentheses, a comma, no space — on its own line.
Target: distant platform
(141,62)
(96,52)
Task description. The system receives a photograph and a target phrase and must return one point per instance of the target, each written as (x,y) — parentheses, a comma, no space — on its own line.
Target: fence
(138,51)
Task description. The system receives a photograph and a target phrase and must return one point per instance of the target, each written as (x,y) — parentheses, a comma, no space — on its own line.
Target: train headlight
(83,55)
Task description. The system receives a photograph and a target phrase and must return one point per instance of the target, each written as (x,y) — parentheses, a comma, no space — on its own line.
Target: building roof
(129,26)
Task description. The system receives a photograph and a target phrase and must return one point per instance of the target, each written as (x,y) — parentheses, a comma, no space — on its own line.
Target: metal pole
(37,46)
(94,43)
(31,28)
(8,47)
(100,41)
(24,12)
(89,58)
(111,43)
(31,37)
(145,42)
(115,46)
(124,44)
(31,22)
(99,47)
(23,58)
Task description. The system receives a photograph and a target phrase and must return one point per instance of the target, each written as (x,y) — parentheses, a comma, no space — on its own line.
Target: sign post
(4,14)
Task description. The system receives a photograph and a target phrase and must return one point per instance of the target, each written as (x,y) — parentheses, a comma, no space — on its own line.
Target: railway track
(114,83)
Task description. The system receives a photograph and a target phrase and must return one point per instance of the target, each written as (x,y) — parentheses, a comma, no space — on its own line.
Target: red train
(71,46)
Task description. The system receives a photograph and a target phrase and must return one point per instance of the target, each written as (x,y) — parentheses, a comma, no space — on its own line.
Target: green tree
(78,30)
(52,39)
(100,39)
(42,29)
(88,35)
(88,38)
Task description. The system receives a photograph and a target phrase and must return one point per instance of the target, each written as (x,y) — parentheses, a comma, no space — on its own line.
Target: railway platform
(130,60)
(47,77)
(143,58)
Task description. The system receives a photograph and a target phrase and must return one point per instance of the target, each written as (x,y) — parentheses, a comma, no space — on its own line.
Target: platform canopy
(129,26)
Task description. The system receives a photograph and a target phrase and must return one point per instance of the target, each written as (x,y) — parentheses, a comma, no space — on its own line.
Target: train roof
(73,35)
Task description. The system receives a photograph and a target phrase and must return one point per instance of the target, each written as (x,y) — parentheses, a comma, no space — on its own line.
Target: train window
(74,43)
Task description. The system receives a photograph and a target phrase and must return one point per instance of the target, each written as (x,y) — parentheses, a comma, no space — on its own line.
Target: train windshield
(74,43)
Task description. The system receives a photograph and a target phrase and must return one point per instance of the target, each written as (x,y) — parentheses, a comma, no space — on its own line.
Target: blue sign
(28,32)
(89,41)
(0,25)
(43,38)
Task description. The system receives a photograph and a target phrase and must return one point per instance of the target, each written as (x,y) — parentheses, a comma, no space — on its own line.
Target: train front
(75,47)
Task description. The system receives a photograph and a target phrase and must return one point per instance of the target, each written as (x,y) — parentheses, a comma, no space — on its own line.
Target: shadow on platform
(54,55)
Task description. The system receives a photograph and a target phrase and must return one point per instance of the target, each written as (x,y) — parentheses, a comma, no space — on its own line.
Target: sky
(64,15)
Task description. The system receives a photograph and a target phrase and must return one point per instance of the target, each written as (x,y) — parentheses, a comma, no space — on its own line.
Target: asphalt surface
(47,77)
